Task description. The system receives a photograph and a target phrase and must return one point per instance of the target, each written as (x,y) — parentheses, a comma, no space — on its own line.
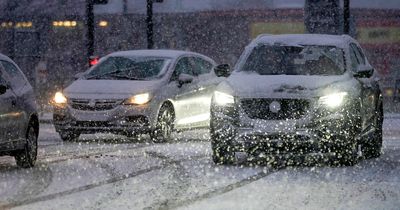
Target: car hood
(109,89)
(255,85)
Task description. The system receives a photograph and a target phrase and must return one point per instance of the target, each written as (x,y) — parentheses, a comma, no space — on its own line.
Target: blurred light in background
(25,24)
(65,23)
(103,23)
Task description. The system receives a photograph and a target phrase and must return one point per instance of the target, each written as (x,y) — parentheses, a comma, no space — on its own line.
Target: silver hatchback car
(138,92)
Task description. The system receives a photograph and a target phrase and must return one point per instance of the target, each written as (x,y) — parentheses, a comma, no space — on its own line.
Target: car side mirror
(364,72)
(79,75)
(184,79)
(223,70)
(3,89)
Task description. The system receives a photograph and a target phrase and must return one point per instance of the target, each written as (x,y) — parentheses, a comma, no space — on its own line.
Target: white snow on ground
(114,172)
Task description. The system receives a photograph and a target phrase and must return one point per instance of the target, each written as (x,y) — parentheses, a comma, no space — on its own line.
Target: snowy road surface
(113,172)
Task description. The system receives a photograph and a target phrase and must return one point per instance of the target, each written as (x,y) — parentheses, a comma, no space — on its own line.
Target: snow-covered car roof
(340,41)
(155,53)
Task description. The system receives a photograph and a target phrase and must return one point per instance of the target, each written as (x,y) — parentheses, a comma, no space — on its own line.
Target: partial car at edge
(19,124)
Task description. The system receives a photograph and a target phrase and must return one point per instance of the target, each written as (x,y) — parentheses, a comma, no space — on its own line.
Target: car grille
(91,124)
(289,108)
(94,105)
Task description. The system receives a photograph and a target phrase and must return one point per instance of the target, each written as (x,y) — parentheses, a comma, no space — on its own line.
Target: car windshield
(130,68)
(295,60)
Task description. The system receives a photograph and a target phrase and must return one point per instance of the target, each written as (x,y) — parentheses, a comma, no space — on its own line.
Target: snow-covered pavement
(113,172)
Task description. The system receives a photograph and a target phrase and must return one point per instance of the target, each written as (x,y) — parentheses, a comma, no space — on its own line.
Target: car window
(360,56)
(295,60)
(202,66)
(183,66)
(14,75)
(354,60)
(130,68)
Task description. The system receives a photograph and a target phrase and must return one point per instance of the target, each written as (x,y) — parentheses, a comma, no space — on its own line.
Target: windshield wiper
(124,76)
(105,74)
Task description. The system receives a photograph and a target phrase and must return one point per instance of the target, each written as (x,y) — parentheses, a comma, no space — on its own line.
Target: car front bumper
(309,134)
(119,120)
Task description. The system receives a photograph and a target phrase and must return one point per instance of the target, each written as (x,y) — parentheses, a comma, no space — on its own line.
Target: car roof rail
(262,35)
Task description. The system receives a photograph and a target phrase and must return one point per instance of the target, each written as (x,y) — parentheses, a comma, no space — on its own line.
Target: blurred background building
(47,37)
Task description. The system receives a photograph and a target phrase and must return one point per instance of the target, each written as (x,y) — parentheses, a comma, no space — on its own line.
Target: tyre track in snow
(173,204)
(55,157)
(114,192)
(219,191)
(180,174)
(94,185)
(73,155)
(38,181)
(41,176)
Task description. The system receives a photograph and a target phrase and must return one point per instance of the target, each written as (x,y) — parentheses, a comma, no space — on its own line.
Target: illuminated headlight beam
(333,100)
(222,99)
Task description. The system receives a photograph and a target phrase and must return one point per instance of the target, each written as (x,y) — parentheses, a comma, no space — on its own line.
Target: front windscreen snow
(295,60)
(129,68)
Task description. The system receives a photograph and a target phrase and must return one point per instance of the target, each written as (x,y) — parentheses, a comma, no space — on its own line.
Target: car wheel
(222,152)
(27,157)
(347,149)
(347,155)
(373,149)
(164,125)
(132,135)
(69,136)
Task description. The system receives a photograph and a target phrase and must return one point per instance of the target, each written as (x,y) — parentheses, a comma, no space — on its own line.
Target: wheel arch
(165,103)
(34,121)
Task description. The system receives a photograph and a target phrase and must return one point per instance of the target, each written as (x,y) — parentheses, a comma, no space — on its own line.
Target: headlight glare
(222,99)
(333,100)
(139,99)
(59,98)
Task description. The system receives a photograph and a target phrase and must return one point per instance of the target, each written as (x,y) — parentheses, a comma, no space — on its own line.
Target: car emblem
(92,103)
(275,107)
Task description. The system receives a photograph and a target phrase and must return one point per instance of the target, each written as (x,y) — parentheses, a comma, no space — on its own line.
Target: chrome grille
(289,108)
(94,105)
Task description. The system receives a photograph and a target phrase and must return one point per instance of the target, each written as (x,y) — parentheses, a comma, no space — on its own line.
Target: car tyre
(133,135)
(347,156)
(69,136)
(222,155)
(27,157)
(222,152)
(164,126)
(373,149)
(347,150)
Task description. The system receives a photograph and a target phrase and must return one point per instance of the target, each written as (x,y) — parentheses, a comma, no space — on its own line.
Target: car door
(370,88)
(185,97)
(7,110)
(16,116)
(207,83)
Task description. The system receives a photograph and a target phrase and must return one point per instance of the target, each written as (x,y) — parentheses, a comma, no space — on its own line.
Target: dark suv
(19,125)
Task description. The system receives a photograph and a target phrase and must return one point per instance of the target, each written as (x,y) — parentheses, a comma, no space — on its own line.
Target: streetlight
(346,16)
(149,23)
(90,25)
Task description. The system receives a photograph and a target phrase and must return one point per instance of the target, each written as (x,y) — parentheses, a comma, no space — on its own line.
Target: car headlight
(59,98)
(222,99)
(333,100)
(139,99)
